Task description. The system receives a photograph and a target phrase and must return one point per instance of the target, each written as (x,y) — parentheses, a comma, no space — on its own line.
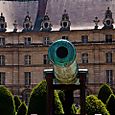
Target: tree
(104,93)
(7,106)
(111,104)
(38,100)
(95,106)
(22,110)
(17,102)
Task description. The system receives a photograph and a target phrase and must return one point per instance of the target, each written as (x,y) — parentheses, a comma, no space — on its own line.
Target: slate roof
(81,12)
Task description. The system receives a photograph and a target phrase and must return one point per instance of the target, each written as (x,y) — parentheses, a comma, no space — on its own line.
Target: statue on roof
(3,24)
(2,18)
(108,13)
(65,16)
(96,21)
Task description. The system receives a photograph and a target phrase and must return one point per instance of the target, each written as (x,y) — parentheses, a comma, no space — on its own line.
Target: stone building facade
(23,55)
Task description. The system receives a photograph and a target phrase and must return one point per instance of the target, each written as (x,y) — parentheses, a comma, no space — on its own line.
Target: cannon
(62,54)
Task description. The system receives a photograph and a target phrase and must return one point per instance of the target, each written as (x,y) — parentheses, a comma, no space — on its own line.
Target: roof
(81,12)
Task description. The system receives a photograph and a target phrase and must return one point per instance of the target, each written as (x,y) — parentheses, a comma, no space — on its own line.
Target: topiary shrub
(104,93)
(111,104)
(95,106)
(22,110)
(7,106)
(17,102)
(57,104)
(38,100)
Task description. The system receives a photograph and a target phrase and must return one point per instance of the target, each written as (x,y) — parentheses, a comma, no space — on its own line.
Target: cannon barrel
(62,54)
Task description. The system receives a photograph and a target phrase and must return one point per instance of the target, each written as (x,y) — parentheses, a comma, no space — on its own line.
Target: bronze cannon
(62,54)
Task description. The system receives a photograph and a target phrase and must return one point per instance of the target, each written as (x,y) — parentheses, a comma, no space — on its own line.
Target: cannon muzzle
(62,54)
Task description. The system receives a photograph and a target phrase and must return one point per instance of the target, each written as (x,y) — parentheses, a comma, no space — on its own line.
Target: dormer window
(65,22)
(46,24)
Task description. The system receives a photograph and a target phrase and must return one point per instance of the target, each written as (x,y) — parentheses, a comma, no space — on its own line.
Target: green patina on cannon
(62,54)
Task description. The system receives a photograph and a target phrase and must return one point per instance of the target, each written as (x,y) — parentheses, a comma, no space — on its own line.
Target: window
(46,60)
(2,41)
(108,38)
(109,76)
(26,95)
(27,78)
(27,59)
(2,78)
(84,58)
(27,41)
(65,37)
(46,40)
(109,57)
(2,60)
(84,39)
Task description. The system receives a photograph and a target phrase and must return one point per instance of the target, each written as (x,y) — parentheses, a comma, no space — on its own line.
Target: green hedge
(95,106)
(104,93)
(7,106)
(38,100)
(111,104)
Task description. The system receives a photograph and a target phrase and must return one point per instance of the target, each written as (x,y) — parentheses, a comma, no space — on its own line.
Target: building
(23,55)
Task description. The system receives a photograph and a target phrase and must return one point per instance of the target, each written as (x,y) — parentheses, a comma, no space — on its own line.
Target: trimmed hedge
(111,104)
(22,110)
(17,102)
(104,93)
(58,107)
(7,106)
(95,106)
(38,100)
